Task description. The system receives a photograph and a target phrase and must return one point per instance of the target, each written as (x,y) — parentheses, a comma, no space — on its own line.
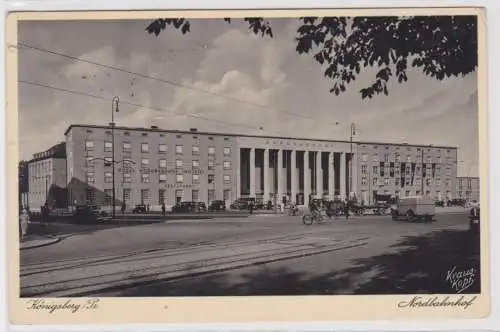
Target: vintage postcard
(247,166)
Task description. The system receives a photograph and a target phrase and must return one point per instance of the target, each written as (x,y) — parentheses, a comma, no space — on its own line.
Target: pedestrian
(124,207)
(45,213)
(147,208)
(163,209)
(24,219)
(250,207)
(346,210)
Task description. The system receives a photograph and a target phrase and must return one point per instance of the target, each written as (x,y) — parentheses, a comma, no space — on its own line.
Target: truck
(414,208)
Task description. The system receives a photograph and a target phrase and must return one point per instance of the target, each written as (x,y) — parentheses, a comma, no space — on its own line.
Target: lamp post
(114,108)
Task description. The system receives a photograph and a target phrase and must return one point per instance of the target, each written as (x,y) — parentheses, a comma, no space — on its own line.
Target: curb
(48,242)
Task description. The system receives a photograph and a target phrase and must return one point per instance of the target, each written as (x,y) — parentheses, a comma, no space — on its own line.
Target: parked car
(244,204)
(139,208)
(414,208)
(189,207)
(90,214)
(439,203)
(475,219)
(217,206)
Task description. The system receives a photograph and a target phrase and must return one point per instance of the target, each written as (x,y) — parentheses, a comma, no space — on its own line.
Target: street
(253,255)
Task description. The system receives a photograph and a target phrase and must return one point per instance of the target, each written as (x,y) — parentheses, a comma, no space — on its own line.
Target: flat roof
(173,131)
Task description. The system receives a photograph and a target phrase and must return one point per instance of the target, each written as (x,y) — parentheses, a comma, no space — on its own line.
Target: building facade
(468,188)
(47,178)
(23,183)
(154,166)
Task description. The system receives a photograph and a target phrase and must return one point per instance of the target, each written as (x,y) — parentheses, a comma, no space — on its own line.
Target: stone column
(252,172)
(307,178)
(319,175)
(266,175)
(238,174)
(354,173)
(343,175)
(331,175)
(279,167)
(293,165)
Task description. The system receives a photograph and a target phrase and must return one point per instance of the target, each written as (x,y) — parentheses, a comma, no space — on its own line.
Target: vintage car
(414,208)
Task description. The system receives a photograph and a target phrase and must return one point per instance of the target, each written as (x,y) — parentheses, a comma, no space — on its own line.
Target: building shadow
(418,266)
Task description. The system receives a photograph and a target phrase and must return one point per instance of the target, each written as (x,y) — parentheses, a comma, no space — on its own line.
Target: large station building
(155,166)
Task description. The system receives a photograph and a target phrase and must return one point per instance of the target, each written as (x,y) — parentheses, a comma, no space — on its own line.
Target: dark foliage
(441,46)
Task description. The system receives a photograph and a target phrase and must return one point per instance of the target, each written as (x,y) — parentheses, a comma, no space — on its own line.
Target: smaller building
(468,188)
(47,178)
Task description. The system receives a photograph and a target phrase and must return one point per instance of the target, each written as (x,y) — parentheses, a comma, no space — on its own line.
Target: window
(195,195)
(161,196)
(127,147)
(417,192)
(227,194)
(108,177)
(144,196)
(89,145)
(163,163)
(398,157)
(428,182)
(179,178)
(418,182)
(227,179)
(386,181)
(196,150)
(89,162)
(211,195)
(127,192)
(90,177)
(144,147)
(178,195)
(178,149)
(363,180)
(375,157)
(196,163)
(162,148)
(108,146)
(407,182)
(407,193)
(364,169)
(145,177)
(127,177)
(211,151)
(375,170)
(396,181)
(429,160)
(108,197)
(144,163)
(386,157)
(438,182)
(196,178)
(211,178)
(375,181)
(163,178)
(408,158)
(108,161)
(227,164)
(408,170)
(211,165)
(227,151)
(178,163)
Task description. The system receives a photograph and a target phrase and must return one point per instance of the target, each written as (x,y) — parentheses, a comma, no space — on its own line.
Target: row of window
(397,170)
(407,181)
(162,178)
(145,196)
(388,157)
(162,148)
(162,163)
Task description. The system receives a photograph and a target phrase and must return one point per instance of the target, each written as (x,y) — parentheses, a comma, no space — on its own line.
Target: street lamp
(114,108)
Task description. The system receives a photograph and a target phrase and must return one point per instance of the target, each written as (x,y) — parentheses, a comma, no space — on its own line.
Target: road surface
(229,256)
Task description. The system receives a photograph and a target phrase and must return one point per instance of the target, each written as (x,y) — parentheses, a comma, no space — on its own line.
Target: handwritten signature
(460,280)
(437,301)
(72,306)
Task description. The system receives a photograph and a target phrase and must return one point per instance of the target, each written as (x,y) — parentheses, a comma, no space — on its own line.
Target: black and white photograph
(250,155)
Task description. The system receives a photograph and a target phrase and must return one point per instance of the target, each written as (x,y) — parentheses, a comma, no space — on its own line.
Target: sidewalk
(36,241)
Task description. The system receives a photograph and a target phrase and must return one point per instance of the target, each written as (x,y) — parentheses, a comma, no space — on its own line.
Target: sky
(267,88)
